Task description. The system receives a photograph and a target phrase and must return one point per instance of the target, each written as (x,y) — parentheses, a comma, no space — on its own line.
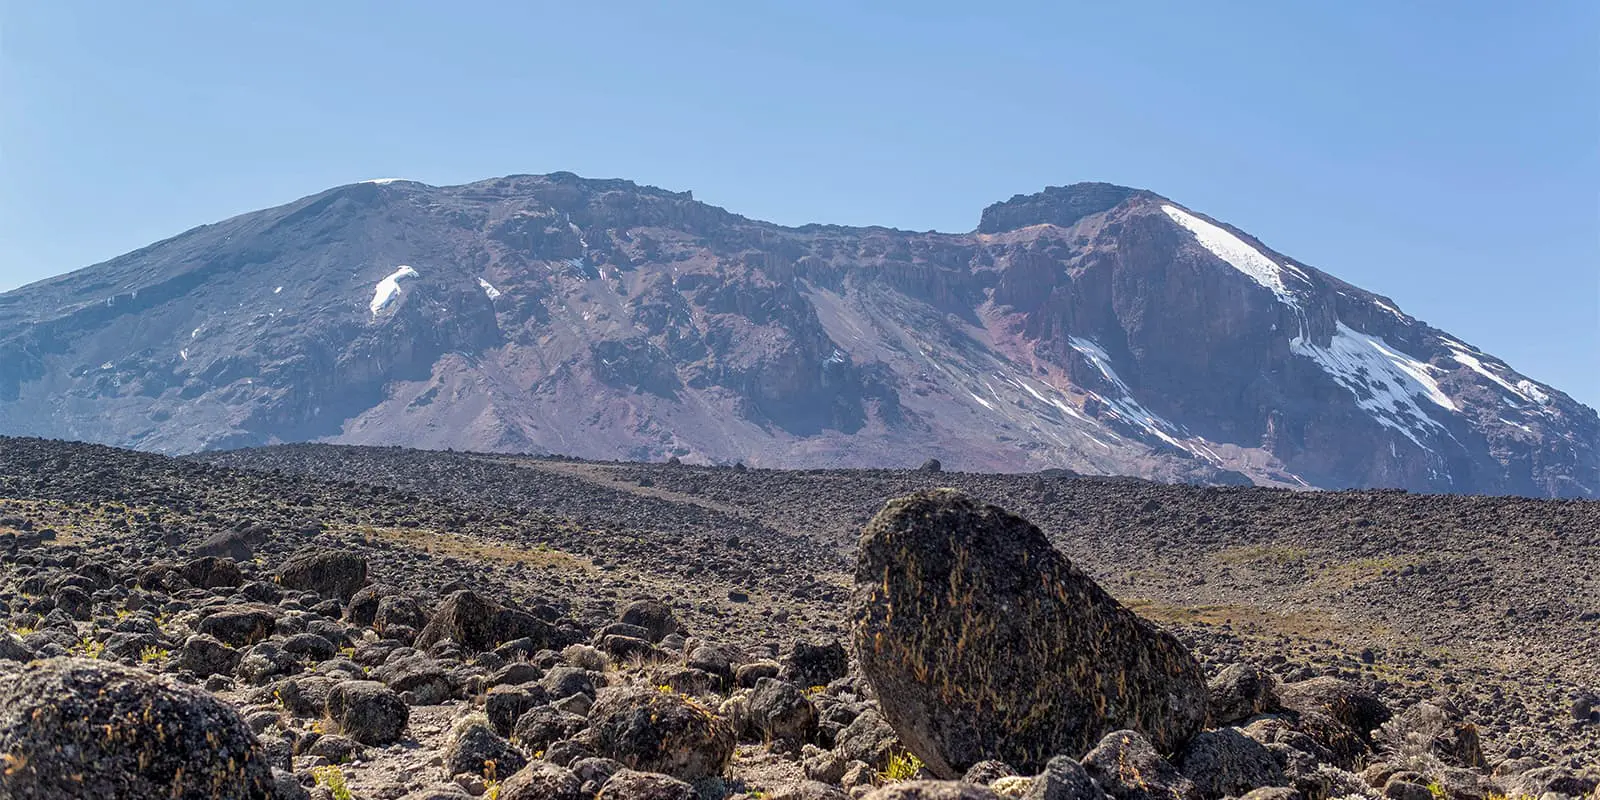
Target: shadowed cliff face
(1091,327)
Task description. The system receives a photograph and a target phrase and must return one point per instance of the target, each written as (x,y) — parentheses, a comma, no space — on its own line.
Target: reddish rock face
(1091,327)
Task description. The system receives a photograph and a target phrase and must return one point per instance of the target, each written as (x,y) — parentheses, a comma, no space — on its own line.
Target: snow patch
(1388,308)
(278,290)
(1386,382)
(1533,392)
(1237,254)
(488,289)
(981,401)
(183,354)
(389,288)
(382,181)
(1125,407)
(1472,363)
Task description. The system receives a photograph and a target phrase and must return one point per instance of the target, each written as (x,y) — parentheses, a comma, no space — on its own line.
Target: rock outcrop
(983,642)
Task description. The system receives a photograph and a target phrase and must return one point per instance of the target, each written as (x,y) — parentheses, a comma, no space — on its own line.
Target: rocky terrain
(383,623)
(1091,327)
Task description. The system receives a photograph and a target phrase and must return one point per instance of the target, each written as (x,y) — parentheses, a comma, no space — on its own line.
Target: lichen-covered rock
(654,617)
(330,573)
(205,656)
(1064,779)
(1355,706)
(83,728)
(368,711)
(633,785)
(815,663)
(239,625)
(932,790)
(542,780)
(475,748)
(868,739)
(478,623)
(1227,763)
(781,712)
(1240,692)
(1128,767)
(655,731)
(982,641)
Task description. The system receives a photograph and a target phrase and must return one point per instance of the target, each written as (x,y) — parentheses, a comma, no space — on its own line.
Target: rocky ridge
(1090,327)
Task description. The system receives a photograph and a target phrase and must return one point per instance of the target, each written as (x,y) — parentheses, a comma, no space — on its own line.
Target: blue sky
(1446,154)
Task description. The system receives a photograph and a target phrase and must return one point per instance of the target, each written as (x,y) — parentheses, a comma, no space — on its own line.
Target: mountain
(1092,327)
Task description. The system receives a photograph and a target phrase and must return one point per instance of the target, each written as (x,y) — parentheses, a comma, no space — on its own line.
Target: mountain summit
(1091,327)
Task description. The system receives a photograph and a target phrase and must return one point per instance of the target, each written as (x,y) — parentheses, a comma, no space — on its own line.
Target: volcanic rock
(981,641)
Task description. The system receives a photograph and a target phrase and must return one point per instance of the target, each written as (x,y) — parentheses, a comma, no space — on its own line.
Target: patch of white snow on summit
(1386,382)
(488,289)
(1236,253)
(381,181)
(389,288)
(981,401)
(1533,392)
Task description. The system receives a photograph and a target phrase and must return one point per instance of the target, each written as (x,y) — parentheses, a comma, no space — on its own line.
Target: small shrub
(332,778)
(902,767)
(150,655)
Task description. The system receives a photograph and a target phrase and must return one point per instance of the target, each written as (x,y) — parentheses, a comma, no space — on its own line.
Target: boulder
(1227,763)
(632,785)
(368,712)
(970,627)
(330,573)
(1240,692)
(74,727)
(542,780)
(475,748)
(781,712)
(239,625)
(211,572)
(931,790)
(651,730)
(1063,779)
(654,616)
(1126,765)
(815,663)
(205,656)
(1355,706)
(478,624)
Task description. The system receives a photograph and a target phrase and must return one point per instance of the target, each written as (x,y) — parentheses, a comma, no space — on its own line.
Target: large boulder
(84,728)
(477,623)
(330,573)
(982,642)
(655,731)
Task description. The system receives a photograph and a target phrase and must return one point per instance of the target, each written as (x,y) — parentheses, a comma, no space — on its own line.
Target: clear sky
(1446,154)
